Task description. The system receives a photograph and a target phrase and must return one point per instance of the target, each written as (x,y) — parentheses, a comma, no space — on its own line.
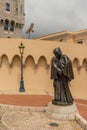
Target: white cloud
(51,16)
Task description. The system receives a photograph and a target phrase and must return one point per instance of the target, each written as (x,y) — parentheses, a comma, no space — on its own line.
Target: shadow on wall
(76,64)
(42,59)
(37,75)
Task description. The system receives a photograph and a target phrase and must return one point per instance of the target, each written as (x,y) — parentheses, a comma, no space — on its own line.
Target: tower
(11,18)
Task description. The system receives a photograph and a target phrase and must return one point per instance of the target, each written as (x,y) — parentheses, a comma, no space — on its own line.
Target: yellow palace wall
(37,59)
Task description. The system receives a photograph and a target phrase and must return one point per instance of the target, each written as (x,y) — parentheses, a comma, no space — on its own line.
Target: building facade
(11,18)
(79,37)
(37,66)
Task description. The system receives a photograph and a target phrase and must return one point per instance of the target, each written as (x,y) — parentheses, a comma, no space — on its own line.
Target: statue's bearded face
(57,55)
(57,52)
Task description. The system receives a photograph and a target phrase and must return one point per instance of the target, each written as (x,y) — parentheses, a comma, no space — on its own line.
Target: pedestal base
(61,112)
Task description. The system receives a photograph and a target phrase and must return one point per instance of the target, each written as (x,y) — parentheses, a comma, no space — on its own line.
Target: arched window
(12,26)
(7,7)
(1,21)
(20,25)
(80,41)
(16,10)
(6,24)
(61,40)
(16,25)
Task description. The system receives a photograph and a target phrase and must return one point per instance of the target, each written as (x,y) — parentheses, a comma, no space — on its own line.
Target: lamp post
(21,48)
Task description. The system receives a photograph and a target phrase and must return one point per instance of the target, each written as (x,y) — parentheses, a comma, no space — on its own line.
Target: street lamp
(21,48)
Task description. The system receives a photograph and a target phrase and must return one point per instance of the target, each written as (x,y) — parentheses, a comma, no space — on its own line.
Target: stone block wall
(16,14)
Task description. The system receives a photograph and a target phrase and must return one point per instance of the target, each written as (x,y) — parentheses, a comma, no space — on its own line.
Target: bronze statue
(62,73)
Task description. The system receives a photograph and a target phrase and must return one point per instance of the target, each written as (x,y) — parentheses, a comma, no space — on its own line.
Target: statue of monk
(62,74)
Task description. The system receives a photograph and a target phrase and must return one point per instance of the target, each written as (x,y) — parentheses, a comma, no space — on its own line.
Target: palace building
(11,18)
(37,55)
(78,37)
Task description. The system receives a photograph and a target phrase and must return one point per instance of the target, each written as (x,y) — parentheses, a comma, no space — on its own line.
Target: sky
(51,16)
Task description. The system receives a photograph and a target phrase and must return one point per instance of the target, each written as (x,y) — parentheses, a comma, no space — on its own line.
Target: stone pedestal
(61,112)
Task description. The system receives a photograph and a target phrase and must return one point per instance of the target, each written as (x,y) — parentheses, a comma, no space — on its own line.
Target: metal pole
(29,36)
(22,89)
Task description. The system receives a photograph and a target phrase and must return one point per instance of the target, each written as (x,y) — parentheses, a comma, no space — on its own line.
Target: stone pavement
(82,107)
(2,127)
(21,120)
(38,101)
(15,119)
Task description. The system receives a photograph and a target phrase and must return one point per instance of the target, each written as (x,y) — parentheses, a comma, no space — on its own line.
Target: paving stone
(3,106)
(21,120)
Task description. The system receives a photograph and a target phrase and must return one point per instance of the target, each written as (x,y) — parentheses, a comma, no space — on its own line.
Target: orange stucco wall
(37,59)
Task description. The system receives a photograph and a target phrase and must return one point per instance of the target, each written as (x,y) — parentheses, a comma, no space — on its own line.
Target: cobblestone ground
(2,127)
(21,120)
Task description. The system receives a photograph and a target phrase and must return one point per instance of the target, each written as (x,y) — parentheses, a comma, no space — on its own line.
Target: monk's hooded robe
(62,73)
